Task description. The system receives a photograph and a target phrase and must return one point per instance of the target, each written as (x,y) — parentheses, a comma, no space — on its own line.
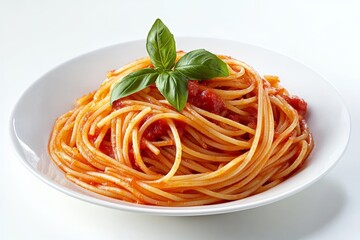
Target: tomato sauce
(159,129)
(204,98)
(156,130)
(207,99)
(104,148)
(117,104)
(297,103)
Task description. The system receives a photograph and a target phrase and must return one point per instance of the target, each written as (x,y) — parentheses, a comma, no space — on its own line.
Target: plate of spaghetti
(206,126)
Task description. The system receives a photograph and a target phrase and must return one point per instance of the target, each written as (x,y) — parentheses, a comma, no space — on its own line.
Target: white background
(36,36)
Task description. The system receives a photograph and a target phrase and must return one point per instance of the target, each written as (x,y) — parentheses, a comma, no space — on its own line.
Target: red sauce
(253,111)
(92,138)
(156,130)
(204,98)
(118,103)
(159,129)
(250,121)
(234,117)
(298,103)
(132,159)
(106,149)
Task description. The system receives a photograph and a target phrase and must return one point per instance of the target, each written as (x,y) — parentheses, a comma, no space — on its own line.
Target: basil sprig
(171,79)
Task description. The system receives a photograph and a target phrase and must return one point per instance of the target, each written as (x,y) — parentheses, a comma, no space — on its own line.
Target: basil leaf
(160,46)
(133,82)
(174,87)
(201,64)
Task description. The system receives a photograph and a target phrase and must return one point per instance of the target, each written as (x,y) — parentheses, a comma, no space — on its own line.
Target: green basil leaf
(201,64)
(160,46)
(133,82)
(174,87)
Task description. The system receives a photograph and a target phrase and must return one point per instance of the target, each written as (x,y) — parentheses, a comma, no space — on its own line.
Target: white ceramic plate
(55,92)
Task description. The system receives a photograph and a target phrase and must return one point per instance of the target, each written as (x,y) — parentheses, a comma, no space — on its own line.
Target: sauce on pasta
(237,136)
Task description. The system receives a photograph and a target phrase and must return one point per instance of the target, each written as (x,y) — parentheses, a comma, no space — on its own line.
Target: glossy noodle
(237,136)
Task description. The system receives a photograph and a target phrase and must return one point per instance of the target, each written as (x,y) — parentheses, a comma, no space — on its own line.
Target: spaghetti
(237,136)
